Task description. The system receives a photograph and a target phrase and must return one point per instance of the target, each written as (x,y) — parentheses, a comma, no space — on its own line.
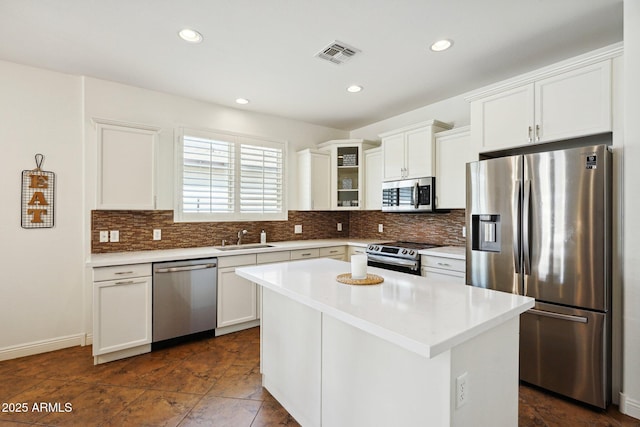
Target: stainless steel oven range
(397,256)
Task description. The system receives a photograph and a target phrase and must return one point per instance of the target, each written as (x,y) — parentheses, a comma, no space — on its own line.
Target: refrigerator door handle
(578,319)
(526,225)
(516,228)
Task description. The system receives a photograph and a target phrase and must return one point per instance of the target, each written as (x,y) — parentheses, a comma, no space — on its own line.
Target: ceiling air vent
(338,52)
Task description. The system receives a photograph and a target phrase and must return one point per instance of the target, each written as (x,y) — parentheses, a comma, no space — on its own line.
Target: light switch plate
(380,228)
(114,236)
(339,226)
(104,236)
(297,229)
(157,234)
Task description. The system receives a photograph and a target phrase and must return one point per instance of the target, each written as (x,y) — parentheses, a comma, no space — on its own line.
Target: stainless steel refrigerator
(539,225)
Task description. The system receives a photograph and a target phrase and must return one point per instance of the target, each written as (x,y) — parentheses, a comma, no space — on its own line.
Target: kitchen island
(409,351)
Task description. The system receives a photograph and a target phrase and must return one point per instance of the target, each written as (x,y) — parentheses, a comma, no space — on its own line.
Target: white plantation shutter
(261,178)
(230,177)
(208,175)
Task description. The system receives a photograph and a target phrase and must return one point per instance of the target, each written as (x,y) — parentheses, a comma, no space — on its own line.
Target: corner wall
(42,269)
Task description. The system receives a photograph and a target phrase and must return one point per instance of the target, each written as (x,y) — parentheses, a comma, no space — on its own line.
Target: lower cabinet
(122,304)
(355,250)
(237,297)
(334,252)
(447,269)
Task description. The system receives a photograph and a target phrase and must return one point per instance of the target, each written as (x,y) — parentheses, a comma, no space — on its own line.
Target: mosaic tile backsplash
(136,229)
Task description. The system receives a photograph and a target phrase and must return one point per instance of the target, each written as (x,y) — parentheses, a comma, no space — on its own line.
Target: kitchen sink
(239,247)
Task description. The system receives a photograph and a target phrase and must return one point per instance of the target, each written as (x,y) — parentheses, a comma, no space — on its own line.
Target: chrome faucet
(240,234)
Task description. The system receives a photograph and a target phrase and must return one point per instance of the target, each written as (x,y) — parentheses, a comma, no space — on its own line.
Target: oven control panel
(393,251)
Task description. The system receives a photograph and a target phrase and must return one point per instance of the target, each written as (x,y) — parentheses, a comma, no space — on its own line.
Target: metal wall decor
(38,196)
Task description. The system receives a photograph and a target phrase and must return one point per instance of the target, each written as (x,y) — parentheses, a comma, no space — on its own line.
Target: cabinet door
(418,153)
(373,179)
(393,157)
(237,298)
(122,314)
(505,119)
(320,178)
(453,151)
(126,167)
(574,103)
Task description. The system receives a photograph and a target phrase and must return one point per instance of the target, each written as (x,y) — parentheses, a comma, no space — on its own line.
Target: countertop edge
(143,257)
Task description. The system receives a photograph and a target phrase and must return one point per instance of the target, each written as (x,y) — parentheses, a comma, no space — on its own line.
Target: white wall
(630,399)
(115,101)
(454,111)
(41,284)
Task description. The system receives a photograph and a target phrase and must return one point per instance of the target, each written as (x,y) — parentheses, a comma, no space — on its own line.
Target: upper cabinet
(347,178)
(453,152)
(373,178)
(314,174)
(126,165)
(409,152)
(562,105)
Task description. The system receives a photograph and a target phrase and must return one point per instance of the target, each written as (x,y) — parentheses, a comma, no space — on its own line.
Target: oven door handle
(393,261)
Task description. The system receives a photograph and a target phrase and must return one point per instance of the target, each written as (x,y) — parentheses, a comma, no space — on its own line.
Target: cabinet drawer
(332,251)
(448,276)
(267,257)
(443,263)
(236,260)
(305,253)
(121,272)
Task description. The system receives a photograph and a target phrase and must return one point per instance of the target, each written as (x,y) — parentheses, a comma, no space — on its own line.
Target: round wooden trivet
(371,279)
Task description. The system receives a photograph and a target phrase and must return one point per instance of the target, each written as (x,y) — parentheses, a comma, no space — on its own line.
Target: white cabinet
(448,269)
(355,250)
(347,178)
(305,254)
(237,297)
(561,106)
(334,252)
(126,165)
(409,152)
(314,175)
(373,179)
(453,151)
(121,311)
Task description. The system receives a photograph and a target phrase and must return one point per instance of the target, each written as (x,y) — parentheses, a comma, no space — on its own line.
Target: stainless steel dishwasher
(184,297)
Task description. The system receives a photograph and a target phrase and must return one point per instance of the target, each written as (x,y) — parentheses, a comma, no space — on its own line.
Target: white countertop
(140,257)
(456,252)
(423,315)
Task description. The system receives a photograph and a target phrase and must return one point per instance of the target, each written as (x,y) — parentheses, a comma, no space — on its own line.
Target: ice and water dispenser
(485,233)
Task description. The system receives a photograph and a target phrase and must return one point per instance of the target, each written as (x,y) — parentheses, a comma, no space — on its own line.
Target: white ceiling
(264,50)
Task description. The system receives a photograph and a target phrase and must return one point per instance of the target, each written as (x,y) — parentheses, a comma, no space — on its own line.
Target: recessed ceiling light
(189,35)
(354,88)
(242,101)
(441,45)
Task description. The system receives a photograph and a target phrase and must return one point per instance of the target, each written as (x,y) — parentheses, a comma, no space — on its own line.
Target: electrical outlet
(157,234)
(464,231)
(462,390)
(380,228)
(114,236)
(104,236)
(339,226)
(297,229)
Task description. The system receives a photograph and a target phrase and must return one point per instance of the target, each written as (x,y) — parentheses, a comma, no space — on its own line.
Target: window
(229,177)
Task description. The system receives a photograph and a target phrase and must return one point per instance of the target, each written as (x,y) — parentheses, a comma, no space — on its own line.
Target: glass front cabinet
(347,172)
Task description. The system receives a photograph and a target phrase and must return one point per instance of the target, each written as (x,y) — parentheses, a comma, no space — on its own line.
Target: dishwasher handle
(186,268)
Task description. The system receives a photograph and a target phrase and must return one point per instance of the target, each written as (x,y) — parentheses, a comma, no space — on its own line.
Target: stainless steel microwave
(409,195)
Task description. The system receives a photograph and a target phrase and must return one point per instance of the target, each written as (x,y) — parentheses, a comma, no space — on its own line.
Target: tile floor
(210,382)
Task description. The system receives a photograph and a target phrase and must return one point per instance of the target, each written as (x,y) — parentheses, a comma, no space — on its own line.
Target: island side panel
(368,381)
(290,351)
(491,364)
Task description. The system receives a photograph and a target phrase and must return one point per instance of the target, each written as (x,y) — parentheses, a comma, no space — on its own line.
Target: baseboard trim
(44,346)
(235,328)
(629,406)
